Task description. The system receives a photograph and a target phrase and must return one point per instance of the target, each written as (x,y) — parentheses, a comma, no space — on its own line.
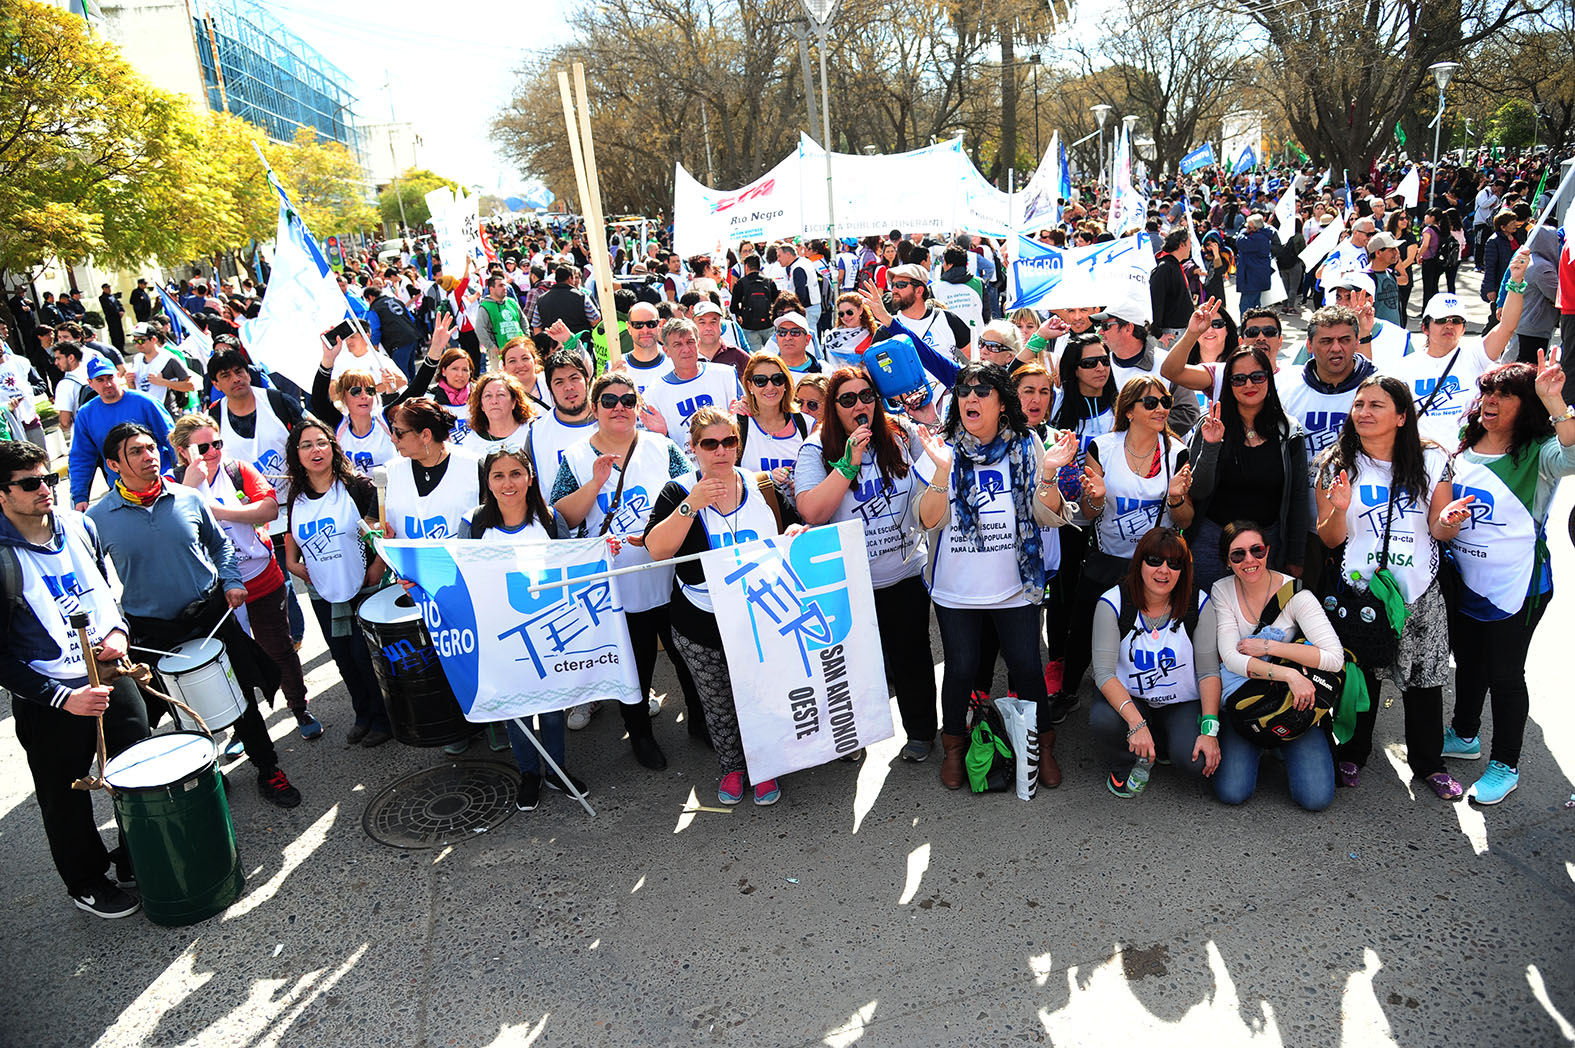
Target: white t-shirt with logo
(1424,373)
(1413,552)
(980,574)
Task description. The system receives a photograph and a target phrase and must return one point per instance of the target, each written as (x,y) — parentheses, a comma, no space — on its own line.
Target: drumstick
(228,611)
(79,622)
(380,481)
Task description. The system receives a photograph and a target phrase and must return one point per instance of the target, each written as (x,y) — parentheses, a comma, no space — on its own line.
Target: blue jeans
(1174,729)
(1249,300)
(550,728)
(404,356)
(1308,765)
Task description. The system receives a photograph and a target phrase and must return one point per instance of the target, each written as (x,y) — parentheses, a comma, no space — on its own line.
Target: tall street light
(821,12)
(1101,113)
(1442,71)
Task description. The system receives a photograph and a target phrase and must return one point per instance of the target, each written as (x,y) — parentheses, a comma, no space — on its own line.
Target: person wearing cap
(940,336)
(155,367)
(708,318)
(792,343)
(1382,342)
(1443,376)
(1383,254)
(115,404)
(1123,328)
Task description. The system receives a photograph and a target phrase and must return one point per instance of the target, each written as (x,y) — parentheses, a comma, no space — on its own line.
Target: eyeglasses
(202,449)
(1154,560)
(809,405)
(399,434)
(612,400)
(844,313)
(360,391)
(776,378)
(863,396)
(900,284)
(791,332)
(978,389)
(316,445)
(1452,320)
(1151,402)
(1260,332)
(1107,325)
(31,484)
(1256,378)
(640,325)
(712,443)
(1257,551)
(1090,363)
(994,347)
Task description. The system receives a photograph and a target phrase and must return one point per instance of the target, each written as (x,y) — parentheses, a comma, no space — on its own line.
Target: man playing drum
(51,567)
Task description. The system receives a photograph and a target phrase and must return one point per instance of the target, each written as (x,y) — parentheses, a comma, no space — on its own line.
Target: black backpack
(1127,618)
(1449,250)
(754,310)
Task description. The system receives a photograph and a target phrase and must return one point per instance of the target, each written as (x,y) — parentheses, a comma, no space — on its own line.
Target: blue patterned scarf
(1023,455)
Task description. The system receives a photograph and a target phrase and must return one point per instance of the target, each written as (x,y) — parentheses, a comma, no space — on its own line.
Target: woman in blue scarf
(992,488)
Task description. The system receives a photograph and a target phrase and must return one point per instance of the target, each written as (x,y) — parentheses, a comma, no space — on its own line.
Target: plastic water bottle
(1137,778)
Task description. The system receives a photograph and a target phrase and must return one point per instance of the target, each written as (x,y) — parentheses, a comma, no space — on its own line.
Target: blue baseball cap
(98,367)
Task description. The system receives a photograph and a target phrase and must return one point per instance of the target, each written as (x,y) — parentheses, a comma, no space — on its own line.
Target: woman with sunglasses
(1248,459)
(810,392)
(868,475)
(1135,478)
(1380,482)
(1519,443)
(361,428)
(512,509)
(1246,650)
(323,548)
(772,430)
(433,483)
(1197,360)
(715,505)
(500,413)
(245,504)
(606,485)
(1156,668)
(993,488)
(1399,227)
(851,334)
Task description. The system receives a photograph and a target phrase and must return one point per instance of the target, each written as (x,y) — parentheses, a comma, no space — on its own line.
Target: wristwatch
(685,510)
(1569,413)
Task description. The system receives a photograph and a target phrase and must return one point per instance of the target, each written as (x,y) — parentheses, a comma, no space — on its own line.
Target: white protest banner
(1039,205)
(449,233)
(1115,272)
(916,190)
(302,302)
(1323,243)
(982,209)
(797,617)
(507,652)
(709,222)
(845,345)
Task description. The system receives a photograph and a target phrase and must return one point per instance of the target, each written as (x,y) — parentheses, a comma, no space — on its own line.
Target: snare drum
(175,820)
(422,710)
(199,674)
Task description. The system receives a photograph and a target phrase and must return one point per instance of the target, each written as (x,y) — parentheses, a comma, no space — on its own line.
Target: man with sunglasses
(941,336)
(52,567)
(691,385)
(645,359)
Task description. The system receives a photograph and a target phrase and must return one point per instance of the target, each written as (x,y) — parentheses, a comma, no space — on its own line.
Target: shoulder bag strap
(623,475)
(1422,408)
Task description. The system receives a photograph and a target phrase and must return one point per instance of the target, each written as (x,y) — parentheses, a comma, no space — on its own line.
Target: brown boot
(953,747)
(1049,770)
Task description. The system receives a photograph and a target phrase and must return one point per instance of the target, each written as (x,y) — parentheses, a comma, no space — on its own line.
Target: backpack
(1127,619)
(754,310)
(1449,250)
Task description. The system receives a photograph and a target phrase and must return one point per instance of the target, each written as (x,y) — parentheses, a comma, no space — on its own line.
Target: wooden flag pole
(572,128)
(596,229)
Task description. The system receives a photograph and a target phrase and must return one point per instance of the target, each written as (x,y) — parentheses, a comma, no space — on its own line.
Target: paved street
(869,907)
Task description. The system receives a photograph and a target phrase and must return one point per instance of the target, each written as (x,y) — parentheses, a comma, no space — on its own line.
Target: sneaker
(647,752)
(917,751)
(276,789)
(456,749)
(580,716)
(1119,788)
(528,795)
(1459,748)
(311,727)
(1347,774)
(373,739)
(497,738)
(1061,706)
(856,757)
(767,793)
(235,747)
(108,902)
(731,789)
(1498,782)
(1444,786)
(554,783)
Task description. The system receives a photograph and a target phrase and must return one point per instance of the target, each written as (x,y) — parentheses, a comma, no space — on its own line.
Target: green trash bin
(175,820)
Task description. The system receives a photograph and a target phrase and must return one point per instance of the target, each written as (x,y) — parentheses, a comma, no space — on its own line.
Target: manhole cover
(442,805)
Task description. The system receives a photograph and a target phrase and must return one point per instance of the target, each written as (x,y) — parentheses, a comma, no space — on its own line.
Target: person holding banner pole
(993,487)
(715,505)
(604,486)
(874,481)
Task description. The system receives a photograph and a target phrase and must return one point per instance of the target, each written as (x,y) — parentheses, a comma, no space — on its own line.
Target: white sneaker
(653,703)
(580,716)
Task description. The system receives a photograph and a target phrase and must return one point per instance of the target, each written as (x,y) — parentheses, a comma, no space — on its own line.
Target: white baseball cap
(1444,304)
(1356,280)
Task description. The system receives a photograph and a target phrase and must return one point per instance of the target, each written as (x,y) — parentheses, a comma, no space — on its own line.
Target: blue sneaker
(311,727)
(235,748)
(1498,782)
(1461,749)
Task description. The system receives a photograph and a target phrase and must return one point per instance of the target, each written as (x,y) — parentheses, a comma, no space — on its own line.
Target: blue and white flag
(1040,207)
(1248,161)
(193,342)
(302,302)
(1203,156)
(508,652)
(1108,274)
(797,618)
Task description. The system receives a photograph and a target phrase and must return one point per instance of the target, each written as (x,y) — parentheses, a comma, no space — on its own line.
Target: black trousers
(60,749)
(1490,658)
(645,628)
(902,616)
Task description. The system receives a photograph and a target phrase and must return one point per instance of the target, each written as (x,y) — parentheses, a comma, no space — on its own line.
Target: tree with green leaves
(412,188)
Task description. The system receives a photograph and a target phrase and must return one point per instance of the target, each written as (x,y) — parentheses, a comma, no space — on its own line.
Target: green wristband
(1209,725)
(1516,286)
(845,466)
(1037,343)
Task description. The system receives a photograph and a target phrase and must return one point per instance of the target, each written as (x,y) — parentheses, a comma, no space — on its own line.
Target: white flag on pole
(1040,208)
(1323,243)
(1285,210)
(302,302)
(1410,187)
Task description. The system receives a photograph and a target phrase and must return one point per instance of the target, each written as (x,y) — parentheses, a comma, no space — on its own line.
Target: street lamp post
(1128,122)
(1101,114)
(821,12)
(1441,71)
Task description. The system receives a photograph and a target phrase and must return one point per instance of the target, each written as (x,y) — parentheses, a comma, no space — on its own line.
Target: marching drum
(422,710)
(175,820)
(199,674)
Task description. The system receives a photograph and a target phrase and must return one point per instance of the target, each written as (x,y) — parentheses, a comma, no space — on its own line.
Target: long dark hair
(1074,407)
(489,515)
(886,435)
(1165,542)
(997,378)
(1230,412)
(339,466)
(1531,424)
(1408,467)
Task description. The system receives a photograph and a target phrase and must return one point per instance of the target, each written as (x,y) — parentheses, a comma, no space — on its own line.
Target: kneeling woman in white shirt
(1246,650)
(993,487)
